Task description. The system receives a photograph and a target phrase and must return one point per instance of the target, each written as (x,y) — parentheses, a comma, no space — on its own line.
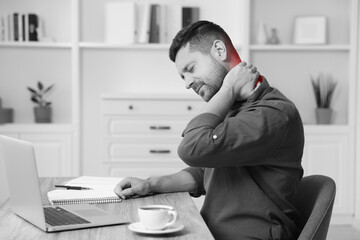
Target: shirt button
(215,137)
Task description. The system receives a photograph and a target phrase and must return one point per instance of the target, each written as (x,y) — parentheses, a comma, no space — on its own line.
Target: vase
(273,38)
(6,115)
(323,115)
(42,114)
(262,36)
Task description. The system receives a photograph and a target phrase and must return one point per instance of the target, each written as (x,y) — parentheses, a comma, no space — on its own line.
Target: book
(120,22)
(10,27)
(155,23)
(143,29)
(23,27)
(189,15)
(174,12)
(162,19)
(26,27)
(2,33)
(16,26)
(33,25)
(20,27)
(102,191)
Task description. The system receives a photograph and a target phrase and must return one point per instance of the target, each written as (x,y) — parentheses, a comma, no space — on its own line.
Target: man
(245,148)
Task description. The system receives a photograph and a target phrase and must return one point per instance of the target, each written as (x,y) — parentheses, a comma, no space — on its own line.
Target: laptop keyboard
(58,216)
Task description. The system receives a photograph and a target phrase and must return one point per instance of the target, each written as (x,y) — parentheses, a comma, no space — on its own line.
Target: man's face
(203,73)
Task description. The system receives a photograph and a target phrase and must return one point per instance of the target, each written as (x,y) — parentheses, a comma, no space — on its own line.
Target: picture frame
(310,30)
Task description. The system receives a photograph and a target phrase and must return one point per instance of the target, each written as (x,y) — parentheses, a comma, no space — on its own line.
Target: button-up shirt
(248,165)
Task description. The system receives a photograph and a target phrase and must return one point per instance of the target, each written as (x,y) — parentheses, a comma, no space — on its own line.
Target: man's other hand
(242,79)
(131,186)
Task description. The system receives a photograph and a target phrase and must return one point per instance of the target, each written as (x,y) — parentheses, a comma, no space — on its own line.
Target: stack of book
(20,27)
(128,23)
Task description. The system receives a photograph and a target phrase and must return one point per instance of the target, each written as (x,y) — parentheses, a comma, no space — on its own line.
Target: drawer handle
(160,127)
(131,107)
(160,151)
(189,108)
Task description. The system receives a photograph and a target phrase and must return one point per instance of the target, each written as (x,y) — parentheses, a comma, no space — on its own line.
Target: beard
(215,79)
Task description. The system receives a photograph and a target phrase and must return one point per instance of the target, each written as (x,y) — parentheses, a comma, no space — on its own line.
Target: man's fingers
(127,192)
(118,189)
(123,193)
(125,183)
(257,75)
(249,66)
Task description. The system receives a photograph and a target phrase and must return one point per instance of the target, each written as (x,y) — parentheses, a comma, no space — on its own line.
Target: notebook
(101,191)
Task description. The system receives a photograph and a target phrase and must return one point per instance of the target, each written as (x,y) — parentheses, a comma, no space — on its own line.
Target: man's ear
(218,50)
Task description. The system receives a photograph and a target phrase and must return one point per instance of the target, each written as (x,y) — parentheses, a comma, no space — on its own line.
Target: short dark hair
(200,35)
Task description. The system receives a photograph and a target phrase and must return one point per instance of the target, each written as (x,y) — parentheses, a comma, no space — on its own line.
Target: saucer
(139,228)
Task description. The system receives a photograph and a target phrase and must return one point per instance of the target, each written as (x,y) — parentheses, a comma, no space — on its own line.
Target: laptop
(25,195)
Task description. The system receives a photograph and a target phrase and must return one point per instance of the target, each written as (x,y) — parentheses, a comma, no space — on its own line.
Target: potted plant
(324,86)
(42,111)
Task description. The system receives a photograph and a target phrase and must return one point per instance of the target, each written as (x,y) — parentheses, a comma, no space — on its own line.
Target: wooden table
(14,227)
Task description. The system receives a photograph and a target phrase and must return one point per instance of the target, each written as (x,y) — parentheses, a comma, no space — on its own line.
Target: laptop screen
(23,181)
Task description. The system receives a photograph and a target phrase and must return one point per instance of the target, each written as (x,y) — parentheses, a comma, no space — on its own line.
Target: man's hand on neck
(238,85)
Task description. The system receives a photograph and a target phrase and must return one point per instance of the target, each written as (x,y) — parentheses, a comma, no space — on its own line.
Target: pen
(73,187)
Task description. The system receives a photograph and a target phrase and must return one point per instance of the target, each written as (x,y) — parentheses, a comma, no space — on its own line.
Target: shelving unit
(25,63)
(291,47)
(329,149)
(152,46)
(34,45)
(84,67)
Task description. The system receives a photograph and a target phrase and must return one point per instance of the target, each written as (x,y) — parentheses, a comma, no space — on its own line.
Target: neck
(236,60)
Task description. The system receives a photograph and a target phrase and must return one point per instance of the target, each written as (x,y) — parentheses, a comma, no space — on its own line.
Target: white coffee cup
(157,217)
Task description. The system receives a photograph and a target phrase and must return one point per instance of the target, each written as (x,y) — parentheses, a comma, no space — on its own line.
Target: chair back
(315,202)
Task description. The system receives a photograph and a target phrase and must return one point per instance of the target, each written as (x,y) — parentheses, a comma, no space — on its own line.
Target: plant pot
(42,114)
(323,115)
(6,115)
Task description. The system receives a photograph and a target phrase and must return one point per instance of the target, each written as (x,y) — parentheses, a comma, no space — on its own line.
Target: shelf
(327,129)
(148,46)
(36,127)
(135,46)
(290,47)
(35,45)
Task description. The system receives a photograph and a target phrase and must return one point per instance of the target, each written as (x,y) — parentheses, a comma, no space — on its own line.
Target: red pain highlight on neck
(260,78)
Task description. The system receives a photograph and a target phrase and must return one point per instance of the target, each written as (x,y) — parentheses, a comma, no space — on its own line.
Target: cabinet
(141,133)
(53,148)
(327,152)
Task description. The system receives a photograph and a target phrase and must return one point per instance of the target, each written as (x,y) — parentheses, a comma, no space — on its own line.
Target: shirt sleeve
(198,175)
(246,139)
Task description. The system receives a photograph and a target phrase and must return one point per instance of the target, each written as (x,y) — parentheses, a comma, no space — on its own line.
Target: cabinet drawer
(151,107)
(142,150)
(117,126)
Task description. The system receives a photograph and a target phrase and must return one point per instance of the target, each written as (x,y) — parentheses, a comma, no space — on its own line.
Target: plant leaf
(49,88)
(31,90)
(34,99)
(40,86)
